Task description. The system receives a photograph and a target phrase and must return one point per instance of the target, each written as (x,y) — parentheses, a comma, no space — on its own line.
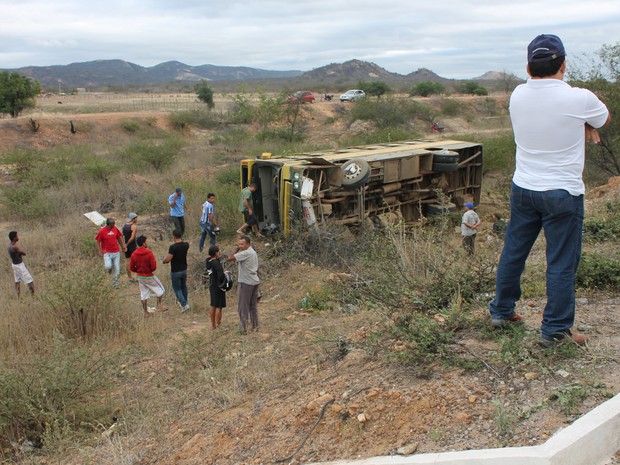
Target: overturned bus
(404,180)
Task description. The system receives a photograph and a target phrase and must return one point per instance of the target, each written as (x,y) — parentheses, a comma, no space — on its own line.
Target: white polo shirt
(548,118)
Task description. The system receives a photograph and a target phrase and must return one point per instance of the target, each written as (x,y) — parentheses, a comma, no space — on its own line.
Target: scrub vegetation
(84,378)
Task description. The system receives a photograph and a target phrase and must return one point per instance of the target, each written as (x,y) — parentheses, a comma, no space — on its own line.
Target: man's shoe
(184,308)
(504,323)
(559,338)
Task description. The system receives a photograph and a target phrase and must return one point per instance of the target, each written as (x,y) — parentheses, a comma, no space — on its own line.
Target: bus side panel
(285,209)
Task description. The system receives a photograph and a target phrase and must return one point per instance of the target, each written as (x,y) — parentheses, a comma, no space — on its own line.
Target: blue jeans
(179,285)
(560,215)
(206,229)
(112,264)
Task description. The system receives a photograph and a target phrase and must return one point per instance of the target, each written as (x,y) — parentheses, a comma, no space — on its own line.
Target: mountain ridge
(117,72)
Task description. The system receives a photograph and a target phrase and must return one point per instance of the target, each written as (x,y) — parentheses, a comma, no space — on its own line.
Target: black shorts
(250,220)
(218,297)
(129,252)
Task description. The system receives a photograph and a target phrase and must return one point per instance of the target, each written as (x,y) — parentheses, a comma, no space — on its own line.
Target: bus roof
(374,152)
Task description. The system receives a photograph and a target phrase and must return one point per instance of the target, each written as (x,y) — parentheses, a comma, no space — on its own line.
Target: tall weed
(80,305)
(52,391)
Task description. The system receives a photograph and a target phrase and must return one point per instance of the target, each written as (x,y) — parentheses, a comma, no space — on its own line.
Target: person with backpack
(217,285)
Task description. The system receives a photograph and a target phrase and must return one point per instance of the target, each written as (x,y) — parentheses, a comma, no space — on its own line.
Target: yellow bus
(404,180)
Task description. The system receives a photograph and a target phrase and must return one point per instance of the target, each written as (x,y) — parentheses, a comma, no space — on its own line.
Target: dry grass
(171,375)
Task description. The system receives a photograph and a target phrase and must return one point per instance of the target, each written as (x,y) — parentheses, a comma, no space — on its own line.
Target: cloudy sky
(453,38)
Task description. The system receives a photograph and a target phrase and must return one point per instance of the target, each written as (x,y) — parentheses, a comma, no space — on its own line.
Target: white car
(353,94)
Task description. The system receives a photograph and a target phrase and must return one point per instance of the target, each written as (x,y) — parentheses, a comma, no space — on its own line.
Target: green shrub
(451,107)
(27,202)
(52,173)
(569,397)
(80,302)
(599,272)
(499,153)
(22,161)
(317,299)
(379,136)
(390,112)
(52,391)
(200,118)
(242,110)
(148,202)
(427,88)
(157,155)
(98,170)
(129,125)
(231,136)
(229,175)
(86,246)
(606,228)
(473,88)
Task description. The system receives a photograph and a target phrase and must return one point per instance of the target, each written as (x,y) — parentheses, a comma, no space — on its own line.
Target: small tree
(376,88)
(473,88)
(204,93)
(267,111)
(603,78)
(17,92)
(509,81)
(242,109)
(426,88)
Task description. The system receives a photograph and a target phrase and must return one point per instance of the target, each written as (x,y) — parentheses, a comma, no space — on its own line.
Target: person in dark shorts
(129,234)
(218,296)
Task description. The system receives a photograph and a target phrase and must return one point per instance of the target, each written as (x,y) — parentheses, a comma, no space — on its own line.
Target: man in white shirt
(552,122)
(248,281)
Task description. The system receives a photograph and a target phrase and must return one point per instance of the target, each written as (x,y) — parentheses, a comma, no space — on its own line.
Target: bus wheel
(355,173)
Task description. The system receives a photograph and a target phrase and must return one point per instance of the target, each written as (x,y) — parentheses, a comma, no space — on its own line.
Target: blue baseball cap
(468,205)
(545,47)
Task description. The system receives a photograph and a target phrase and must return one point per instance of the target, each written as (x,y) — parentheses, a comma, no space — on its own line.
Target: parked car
(301,96)
(353,94)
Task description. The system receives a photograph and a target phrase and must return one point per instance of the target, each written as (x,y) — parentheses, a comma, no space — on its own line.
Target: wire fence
(111,102)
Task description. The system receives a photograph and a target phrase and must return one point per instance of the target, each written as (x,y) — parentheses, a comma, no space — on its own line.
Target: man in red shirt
(109,244)
(143,263)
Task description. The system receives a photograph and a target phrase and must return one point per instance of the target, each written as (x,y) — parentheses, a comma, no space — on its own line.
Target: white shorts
(21,273)
(149,286)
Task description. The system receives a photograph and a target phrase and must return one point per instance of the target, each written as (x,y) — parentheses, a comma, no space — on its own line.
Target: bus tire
(355,173)
(445,167)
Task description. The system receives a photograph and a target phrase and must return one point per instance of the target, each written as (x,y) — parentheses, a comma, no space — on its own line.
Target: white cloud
(456,39)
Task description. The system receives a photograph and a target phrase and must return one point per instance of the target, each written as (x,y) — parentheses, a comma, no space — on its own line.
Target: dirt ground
(364,406)
(333,403)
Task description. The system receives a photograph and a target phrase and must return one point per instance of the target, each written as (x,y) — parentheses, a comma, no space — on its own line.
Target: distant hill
(122,73)
(119,72)
(423,74)
(495,76)
(350,70)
